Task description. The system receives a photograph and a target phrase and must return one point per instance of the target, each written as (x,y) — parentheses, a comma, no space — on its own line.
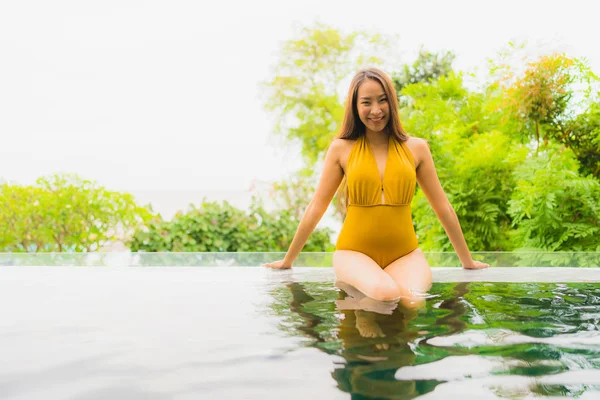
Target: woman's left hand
(476,265)
(281,264)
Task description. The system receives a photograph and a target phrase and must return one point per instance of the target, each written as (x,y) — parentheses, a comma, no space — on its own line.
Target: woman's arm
(431,187)
(328,184)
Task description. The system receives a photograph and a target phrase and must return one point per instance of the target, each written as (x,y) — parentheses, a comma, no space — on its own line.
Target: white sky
(161,98)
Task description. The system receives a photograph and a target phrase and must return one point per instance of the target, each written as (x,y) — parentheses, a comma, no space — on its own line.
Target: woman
(377,250)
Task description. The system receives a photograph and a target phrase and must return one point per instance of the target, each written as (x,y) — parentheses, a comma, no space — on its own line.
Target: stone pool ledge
(298,274)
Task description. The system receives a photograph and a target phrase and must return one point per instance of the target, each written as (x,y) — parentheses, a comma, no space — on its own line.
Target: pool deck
(310,274)
(499,274)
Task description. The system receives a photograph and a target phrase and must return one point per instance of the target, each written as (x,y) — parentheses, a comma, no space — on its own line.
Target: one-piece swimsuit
(378,221)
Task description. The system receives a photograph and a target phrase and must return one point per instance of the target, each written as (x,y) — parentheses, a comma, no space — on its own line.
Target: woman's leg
(412,275)
(359,270)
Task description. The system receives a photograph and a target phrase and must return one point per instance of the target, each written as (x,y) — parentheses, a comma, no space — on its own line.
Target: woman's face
(372,104)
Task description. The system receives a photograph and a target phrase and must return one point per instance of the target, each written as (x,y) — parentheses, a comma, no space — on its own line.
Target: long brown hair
(353,128)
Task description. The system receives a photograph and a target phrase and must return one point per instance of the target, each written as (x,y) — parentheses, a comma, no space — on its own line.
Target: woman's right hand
(281,264)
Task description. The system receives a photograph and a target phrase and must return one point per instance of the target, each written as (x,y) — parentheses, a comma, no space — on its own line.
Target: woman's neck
(377,138)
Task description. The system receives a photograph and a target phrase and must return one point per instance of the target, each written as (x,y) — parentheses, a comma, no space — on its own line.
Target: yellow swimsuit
(378,221)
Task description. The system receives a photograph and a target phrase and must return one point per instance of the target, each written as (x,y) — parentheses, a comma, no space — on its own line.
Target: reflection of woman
(377,250)
(373,345)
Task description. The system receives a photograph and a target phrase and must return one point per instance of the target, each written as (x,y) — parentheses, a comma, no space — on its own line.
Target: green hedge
(221,227)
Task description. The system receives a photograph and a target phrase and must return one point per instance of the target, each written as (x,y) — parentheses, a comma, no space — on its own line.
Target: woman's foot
(368,328)
(366,325)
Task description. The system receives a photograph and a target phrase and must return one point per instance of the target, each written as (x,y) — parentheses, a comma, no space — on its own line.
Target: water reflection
(374,338)
(528,335)
(456,307)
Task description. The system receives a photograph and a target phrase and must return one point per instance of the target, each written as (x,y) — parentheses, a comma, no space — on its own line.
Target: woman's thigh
(412,275)
(359,270)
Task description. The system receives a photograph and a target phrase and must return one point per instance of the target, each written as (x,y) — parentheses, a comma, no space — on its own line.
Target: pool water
(486,339)
(189,333)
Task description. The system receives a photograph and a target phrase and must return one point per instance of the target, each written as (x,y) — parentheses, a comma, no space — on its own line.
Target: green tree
(23,222)
(427,67)
(549,97)
(582,135)
(553,208)
(294,194)
(66,213)
(221,227)
(551,91)
(474,160)
(472,137)
(542,94)
(479,185)
(304,95)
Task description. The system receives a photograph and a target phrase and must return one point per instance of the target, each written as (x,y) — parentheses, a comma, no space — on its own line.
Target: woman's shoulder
(419,147)
(341,145)
(417,141)
(417,144)
(340,150)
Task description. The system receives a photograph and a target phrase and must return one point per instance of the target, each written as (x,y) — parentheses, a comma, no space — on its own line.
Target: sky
(162,99)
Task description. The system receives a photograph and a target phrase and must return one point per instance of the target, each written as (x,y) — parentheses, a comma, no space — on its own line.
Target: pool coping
(322,274)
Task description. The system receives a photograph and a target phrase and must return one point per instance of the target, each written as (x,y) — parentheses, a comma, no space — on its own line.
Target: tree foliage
(427,67)
(541,95)
(582,135)
(480,157)
(65,213)
(221,227)
(554,208)
(548,98)
(304,94)
(479,184)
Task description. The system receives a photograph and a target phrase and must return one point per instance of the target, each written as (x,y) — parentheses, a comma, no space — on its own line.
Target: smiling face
(372,105)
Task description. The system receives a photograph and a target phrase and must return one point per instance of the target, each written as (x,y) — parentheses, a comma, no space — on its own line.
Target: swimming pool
(251,332)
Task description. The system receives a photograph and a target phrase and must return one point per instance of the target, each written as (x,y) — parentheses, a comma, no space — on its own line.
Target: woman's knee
(412,302)
(384,290)
(362,272)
